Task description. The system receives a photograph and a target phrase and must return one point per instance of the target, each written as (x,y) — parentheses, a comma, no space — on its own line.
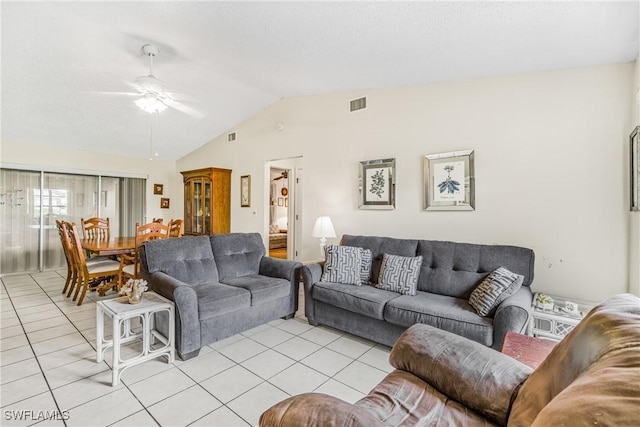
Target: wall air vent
(231,137)
(358,104)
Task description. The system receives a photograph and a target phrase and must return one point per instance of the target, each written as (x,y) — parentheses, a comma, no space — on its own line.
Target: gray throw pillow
(495,288)
(342,265)
(399,274)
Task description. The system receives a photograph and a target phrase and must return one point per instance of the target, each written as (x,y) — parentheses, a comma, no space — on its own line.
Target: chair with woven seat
(175,228)
(129,264)
(86,270)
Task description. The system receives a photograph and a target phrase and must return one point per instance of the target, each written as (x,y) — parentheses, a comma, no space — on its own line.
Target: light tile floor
(49,375)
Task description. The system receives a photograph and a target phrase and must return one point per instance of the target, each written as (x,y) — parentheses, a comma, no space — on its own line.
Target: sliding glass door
(31,202)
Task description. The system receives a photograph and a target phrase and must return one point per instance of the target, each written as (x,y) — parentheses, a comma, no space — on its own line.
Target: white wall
(634,217)
(550,167)
(56,158)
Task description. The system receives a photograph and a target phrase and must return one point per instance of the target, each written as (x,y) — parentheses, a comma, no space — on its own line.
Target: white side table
(121,313)
(554,324)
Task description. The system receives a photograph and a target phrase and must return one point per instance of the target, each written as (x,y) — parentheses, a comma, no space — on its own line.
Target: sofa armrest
(311,273)
(463,370)
(513,314)
(186,305)
(318,410)
(282,268)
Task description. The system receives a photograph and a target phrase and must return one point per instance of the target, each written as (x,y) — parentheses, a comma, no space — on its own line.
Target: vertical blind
(32,201)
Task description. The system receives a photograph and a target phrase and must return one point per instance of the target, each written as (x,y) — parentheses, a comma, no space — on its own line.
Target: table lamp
(323,228)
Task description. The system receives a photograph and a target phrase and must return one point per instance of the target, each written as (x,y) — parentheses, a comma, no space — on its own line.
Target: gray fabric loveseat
(221,285)
(448,274)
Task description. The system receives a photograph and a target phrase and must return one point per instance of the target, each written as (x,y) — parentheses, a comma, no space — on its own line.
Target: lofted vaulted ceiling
(234,59)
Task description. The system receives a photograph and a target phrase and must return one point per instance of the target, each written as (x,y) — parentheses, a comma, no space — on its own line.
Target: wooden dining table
(112,246)
(109,247)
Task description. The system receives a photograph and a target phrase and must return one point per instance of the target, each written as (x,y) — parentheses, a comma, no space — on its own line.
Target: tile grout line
(55,401)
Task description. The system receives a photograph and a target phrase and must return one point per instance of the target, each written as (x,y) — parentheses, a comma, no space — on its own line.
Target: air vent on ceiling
(358,104)
(231,137)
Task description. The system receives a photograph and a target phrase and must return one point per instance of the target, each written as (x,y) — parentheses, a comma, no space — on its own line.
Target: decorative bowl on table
(133,289)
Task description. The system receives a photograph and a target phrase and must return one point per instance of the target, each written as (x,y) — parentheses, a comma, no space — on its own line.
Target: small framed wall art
(449,182)
(634,155)
(245,191)
(377,184)
(164,203)
(157,188)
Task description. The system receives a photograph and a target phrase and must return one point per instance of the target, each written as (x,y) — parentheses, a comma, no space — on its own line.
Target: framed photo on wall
(634,155)
(449,182)
(164,203)
(157,188)
(377,184)
(245,191)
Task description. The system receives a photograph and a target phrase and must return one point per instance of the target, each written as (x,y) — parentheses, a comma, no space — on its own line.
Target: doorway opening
(284,205)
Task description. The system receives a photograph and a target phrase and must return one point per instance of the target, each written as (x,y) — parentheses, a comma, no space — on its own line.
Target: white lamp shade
(323,228)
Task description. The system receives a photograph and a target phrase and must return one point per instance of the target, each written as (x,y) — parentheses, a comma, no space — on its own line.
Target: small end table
(556,323)
(529,350)
(121,313)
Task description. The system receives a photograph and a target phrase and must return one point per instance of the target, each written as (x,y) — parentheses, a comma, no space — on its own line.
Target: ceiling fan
(153,96)
(283,175)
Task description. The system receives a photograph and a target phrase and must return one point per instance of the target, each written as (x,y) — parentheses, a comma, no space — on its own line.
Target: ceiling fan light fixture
(150,104)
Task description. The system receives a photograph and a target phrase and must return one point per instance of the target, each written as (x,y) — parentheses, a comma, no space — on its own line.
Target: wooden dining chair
(66,249)
(95,228)
(130,264)
(87,270)
(175,227)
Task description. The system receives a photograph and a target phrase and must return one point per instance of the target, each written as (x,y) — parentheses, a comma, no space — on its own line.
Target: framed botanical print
(449,182)
(377,184)
(245,191)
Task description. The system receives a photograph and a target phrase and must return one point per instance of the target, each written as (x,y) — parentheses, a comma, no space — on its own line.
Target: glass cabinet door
(188,221)
(206,218)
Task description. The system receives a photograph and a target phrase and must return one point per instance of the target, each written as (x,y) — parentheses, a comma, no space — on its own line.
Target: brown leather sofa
(591,378)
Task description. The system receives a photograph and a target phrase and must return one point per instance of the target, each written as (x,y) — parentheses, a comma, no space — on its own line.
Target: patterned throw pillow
(274,229)
(342,265)
(495,288)
(399,274)
(365,267)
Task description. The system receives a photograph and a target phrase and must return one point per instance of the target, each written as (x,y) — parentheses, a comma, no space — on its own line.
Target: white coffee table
(121,313)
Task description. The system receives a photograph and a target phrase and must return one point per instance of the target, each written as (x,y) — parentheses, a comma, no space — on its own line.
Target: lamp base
(323,243)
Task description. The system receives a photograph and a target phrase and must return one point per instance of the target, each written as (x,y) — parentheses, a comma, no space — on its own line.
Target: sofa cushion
(399,274)
(237,254)
(342,265)
(444,312)
(455,269)
(262,288)
(494,289)
(215,299)
(365,299)
(188,259)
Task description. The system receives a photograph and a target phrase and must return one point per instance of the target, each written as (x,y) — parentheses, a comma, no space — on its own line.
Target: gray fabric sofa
(449,273)
(221,285)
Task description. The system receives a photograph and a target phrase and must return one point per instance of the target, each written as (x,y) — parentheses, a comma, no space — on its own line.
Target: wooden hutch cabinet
(207,201)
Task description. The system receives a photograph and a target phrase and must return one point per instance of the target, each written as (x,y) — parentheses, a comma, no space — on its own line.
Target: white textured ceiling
(236,58)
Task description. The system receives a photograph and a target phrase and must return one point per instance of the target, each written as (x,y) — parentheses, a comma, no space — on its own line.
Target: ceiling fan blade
(187,110)
(107,93)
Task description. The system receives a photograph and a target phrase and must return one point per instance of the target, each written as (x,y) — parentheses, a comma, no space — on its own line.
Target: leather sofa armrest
(463,370)
(513,314)
(316,409)
(282,268)
(186,305)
